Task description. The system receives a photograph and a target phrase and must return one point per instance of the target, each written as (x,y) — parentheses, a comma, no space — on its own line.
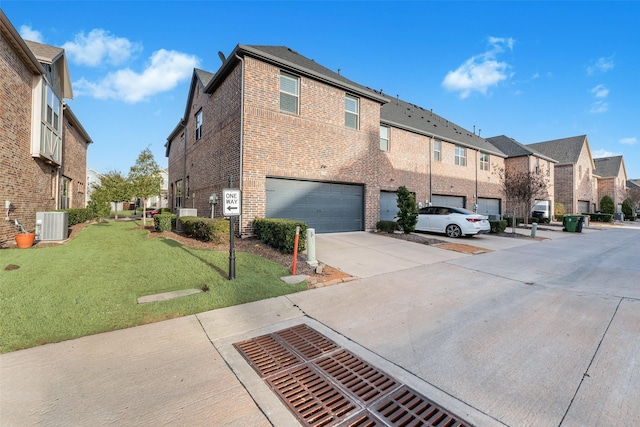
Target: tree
(627,208)
(100,203)
(607,205)
(145,179)
(521,189)
(634,195)
(408,210)
(115,188)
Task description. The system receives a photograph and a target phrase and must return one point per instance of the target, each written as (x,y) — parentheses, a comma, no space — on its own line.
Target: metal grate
(266,355)
(360,378)
(306,341)
(405,407)
(329,386)
(315,401)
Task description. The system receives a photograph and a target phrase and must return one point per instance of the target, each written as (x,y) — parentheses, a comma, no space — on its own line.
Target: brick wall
(74,164)
(25,181)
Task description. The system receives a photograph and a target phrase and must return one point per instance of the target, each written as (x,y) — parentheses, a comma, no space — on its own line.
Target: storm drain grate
(314,399)
(357,376)
(405,407)
(330,386)
(306,341)
(267,355)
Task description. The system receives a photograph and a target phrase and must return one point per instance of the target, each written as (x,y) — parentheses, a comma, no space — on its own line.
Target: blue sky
(534,71)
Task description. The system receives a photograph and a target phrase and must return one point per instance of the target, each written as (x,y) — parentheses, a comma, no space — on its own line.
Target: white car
(454,222)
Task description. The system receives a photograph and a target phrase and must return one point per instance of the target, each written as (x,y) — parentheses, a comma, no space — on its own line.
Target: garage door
(326,207)
(583,206)
(489,207)
(388,205)
(452,201)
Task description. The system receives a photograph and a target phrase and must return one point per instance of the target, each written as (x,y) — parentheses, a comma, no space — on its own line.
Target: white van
(542,209)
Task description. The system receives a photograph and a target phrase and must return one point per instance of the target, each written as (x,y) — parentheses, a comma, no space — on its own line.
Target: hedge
(78,215)
(599,217)
(205,229)
(280,233)
(498,226)
(387,226)
(164,221)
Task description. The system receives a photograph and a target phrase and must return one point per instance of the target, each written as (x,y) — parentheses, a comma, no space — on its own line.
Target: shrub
(408,210)
(498,226)
(510,221)
(559,210)
(627,208)
(163,221)
(560,218)
(205,229)
(539,220)
(387,226)
(600,217)
(606,205)
(79,215)
(280,233)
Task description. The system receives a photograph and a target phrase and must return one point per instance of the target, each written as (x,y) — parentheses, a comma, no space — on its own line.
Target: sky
(532,70)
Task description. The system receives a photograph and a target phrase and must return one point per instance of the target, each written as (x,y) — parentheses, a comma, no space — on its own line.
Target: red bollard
(295,250)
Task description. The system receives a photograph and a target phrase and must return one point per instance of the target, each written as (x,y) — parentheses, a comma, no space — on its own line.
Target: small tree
(521,189)
(115,188)
(559,209)
(145,179)
(607,205)
(627,208)
(408,210)
(100,203)
(634,196)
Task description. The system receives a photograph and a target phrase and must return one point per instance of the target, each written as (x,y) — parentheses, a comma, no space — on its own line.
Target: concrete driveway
(541,334)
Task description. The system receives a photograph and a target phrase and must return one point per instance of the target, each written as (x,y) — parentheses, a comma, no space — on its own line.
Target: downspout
(240,178)
(475,203)
(430,174)
(184,169)
(58,187)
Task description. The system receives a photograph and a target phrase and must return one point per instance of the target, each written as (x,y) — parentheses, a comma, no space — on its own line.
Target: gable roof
(565,150)
(55,56)
(513,148)
(11,36)
(609,167)
(293,62)
(633,183)
(410,117)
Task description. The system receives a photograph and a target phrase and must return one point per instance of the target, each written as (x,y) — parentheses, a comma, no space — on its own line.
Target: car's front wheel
(453,230)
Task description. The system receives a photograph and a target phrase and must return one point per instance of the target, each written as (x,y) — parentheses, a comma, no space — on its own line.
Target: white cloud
(599,107)
(28,33)
(98,46)
(480,72)
(165,70)
(602,65)
(628,141)
(600,91)
(596,154)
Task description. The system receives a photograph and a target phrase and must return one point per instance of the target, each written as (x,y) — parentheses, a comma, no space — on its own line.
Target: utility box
(184,212)
(52,226)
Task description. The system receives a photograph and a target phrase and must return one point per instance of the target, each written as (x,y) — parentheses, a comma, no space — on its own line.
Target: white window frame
(179,194)
(47,123)
(384,138)
(288,94)
(351,112)
(198,125)
(437,150)
(460,155)
(484,161)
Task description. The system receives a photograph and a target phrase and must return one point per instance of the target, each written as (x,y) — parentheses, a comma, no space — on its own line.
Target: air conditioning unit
(184,212)
(52,226)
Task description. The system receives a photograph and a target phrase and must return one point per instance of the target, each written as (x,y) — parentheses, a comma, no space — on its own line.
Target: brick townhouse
(304,142)
(612,179)
(575,183)
(44,146)
(523,158)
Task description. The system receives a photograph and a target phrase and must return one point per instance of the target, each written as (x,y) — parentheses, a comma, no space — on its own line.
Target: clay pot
(25,240)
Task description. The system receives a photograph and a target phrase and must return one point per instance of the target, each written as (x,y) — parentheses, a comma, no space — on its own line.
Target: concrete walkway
(525,336)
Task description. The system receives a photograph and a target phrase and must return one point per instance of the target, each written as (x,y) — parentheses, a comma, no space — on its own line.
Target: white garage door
(451,201)
(489,207)
(325,206)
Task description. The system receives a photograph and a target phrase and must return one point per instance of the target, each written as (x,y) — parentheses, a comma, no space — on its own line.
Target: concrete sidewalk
(517,346)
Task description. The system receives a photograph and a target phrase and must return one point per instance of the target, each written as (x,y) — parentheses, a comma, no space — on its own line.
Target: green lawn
(91,284)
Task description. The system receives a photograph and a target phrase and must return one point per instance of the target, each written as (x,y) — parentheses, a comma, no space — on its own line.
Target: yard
(91,283)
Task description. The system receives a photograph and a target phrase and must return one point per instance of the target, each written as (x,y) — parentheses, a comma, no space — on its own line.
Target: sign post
(231,207)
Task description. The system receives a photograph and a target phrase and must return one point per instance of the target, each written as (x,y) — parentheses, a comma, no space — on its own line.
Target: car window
(424,211)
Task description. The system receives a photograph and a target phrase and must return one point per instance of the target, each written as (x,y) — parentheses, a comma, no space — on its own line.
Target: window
(384,138)
(178,197)
(484,161)
(461,156)
(437,148)
(289,93)
(351,112)
(64,197)
(51,125)
(537,165)
(198,125)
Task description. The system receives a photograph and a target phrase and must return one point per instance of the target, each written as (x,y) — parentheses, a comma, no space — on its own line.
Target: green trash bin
(570,223)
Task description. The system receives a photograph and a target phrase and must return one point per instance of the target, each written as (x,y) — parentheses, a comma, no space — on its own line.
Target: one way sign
(231,202)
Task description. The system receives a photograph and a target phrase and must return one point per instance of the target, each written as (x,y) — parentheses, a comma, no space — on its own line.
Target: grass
(91,284)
